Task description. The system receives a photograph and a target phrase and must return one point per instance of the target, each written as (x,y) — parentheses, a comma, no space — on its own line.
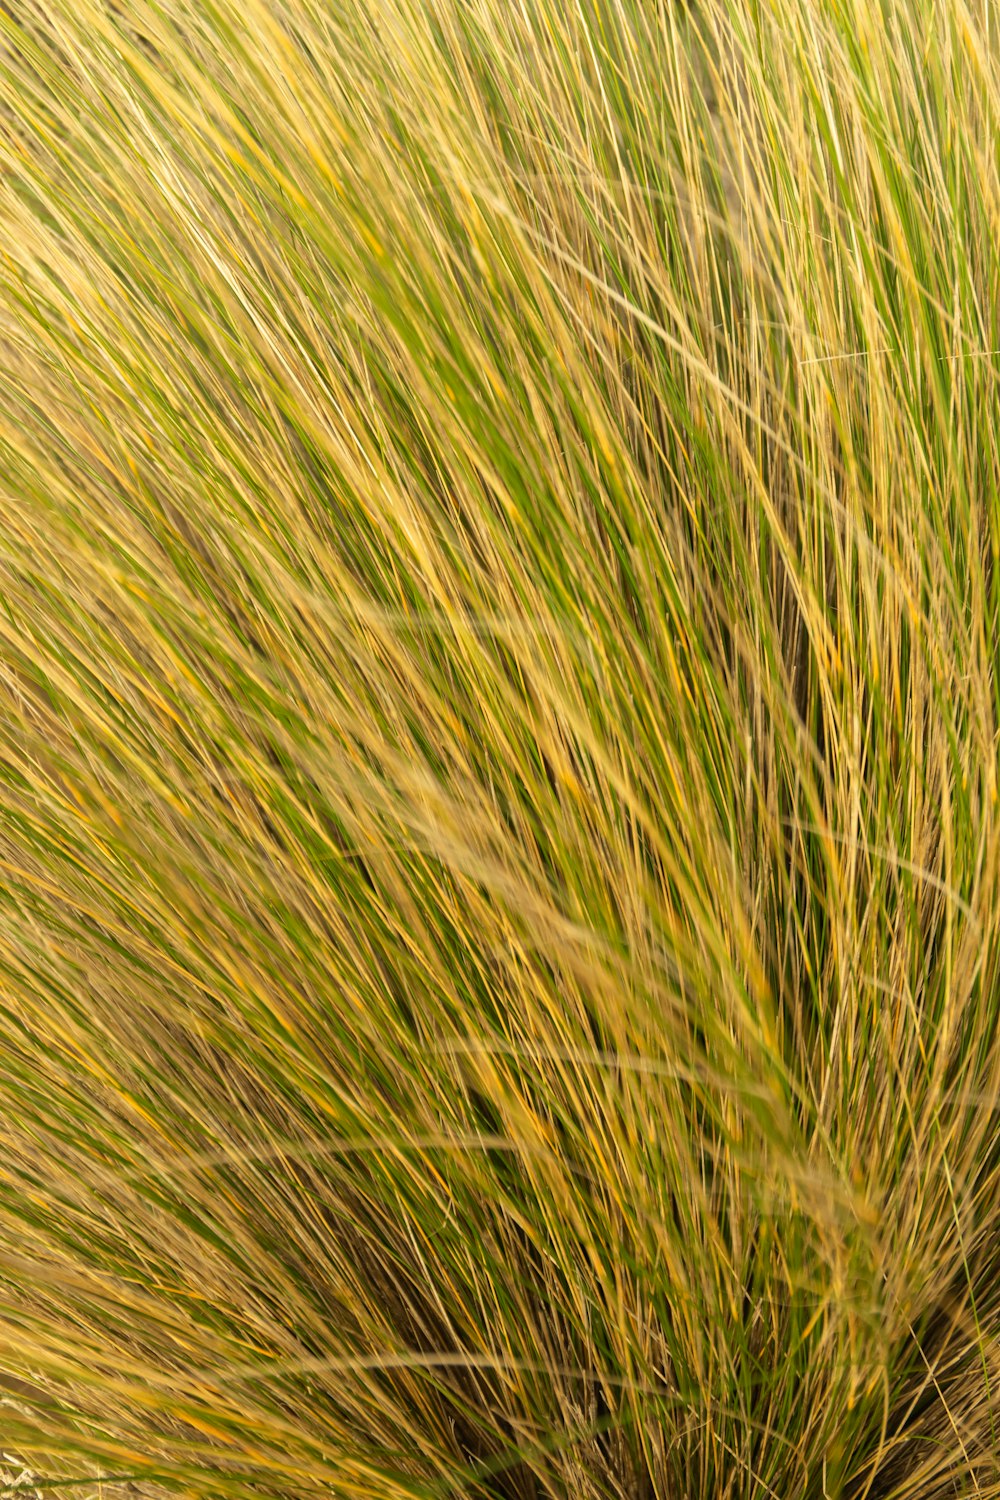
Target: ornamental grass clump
(499,706)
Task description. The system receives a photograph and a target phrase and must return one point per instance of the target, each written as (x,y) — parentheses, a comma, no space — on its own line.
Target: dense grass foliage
(499,706)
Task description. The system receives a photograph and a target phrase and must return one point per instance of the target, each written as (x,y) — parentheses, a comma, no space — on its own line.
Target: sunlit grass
(499,832)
